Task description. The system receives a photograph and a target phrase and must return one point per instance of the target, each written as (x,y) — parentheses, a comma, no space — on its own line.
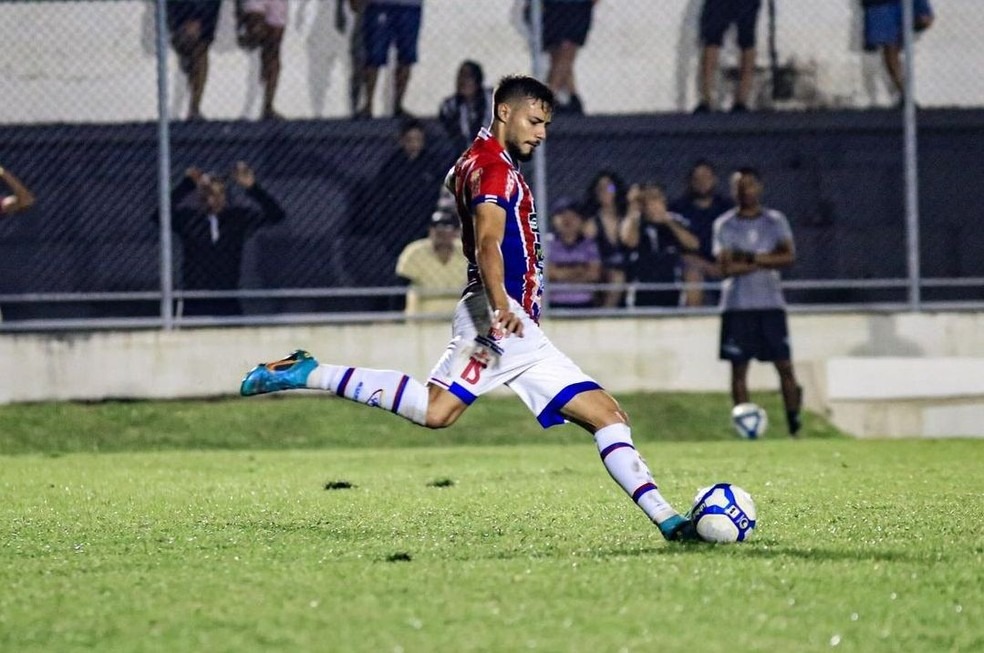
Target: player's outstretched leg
(387,389)
(630,471)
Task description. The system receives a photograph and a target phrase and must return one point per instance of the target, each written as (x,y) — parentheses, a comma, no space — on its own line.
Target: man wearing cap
(435,267)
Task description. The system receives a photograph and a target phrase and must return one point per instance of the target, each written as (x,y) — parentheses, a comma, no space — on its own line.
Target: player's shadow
(759,548)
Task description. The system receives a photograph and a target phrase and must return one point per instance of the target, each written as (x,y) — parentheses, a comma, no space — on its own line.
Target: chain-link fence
(335,182)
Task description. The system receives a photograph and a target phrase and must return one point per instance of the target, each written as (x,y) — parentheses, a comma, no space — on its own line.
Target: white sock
(387,389)
(630,471)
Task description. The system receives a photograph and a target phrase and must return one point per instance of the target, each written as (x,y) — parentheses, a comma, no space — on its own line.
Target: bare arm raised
(21,200)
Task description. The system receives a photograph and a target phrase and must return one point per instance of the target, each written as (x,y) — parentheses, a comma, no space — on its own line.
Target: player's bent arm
(782,256)
(731,266)
(686,238)
(590,272)
(490,227)
(21,200)
(629,230)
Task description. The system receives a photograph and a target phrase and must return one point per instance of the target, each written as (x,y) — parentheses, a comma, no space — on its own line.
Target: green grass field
(210,526)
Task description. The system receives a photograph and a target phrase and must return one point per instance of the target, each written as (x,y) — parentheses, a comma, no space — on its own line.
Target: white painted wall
(623,354)
(93,61)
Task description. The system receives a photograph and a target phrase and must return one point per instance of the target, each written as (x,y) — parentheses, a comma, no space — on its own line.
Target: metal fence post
(540,155)
(163,170)
(911,157)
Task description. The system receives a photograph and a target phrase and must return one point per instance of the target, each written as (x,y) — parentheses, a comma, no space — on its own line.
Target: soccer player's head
(702,179)
(212,188)
(470,79)
(746,187)
(523,107)
(413,139)
(652,199)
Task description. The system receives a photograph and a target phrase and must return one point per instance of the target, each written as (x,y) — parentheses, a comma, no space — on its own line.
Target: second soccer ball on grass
(749,420)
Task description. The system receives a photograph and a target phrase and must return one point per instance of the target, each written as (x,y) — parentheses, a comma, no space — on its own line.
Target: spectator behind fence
(387,23)
(566,24)
(605,206)
(435,267)
(701,205)
(656,239)
(715,19)
(395,208)
(192,25)
(356,50)
(470,108)
(260,25)
(883,31)
(752,243)
(213,232)
(572,257)
(21,200)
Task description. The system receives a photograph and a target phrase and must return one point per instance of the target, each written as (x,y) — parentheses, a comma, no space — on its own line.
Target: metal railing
(45,150)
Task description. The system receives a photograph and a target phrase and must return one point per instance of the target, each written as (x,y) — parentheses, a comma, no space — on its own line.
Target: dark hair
(751,172)
(591,204)
(701,163)
(518,87)
(653,185)
(475,70)
(409,124)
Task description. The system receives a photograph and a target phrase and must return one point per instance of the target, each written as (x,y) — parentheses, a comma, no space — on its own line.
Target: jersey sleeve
(717,239)
(785,231)
(493,184)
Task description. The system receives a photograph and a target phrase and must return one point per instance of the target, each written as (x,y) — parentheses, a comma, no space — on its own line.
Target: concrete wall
(678,354)
(94,61)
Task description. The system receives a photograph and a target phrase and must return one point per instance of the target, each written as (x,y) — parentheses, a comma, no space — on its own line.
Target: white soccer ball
(723,513)
(750,420)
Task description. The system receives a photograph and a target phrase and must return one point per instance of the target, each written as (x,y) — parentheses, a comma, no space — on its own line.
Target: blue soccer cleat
(679,529)
(288,373)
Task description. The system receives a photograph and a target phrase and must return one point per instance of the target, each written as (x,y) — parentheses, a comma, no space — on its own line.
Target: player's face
(702,181)
(605,190)
(747,189)
(444,235)
(653,202)
(413,142)
(214,194)
(568,224)
(467,85)
(526,127)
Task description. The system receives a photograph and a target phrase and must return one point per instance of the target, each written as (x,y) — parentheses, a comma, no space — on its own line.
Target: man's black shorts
(761,334)
(566,21)
(180,12)
(718,15)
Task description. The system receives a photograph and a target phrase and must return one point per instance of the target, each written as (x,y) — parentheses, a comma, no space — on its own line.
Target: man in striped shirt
(496,337)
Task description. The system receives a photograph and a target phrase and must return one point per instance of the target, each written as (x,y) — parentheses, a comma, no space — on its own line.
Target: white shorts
(274,11)
(475,363)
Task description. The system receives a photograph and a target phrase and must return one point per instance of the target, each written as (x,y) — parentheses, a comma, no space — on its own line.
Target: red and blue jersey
(486,173)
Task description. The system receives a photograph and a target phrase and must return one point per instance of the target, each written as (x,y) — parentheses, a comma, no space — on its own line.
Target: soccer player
(752,243)
(21,200)
(496,337)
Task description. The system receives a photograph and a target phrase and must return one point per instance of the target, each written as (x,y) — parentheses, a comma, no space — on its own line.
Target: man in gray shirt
(751,244)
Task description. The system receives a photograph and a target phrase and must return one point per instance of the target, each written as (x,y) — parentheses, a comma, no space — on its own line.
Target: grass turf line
(863,546)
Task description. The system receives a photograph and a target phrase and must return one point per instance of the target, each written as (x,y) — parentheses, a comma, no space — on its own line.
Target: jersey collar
(486,134)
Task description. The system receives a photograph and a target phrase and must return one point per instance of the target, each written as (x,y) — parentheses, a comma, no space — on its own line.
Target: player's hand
(504,320)
(244,175)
